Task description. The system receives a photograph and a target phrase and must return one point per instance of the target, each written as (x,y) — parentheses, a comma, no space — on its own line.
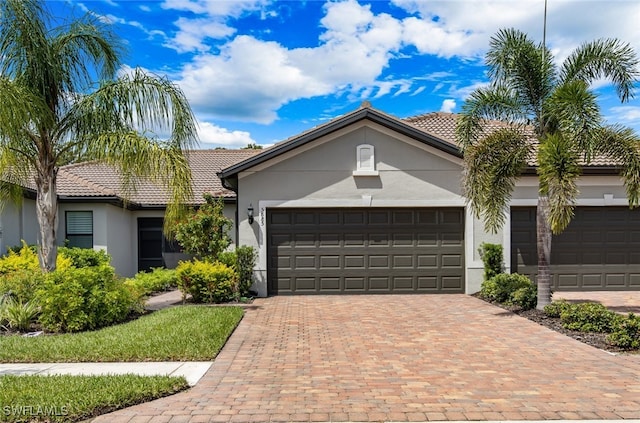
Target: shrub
(206,282)
(491,255)
(18,315)
(158,280)
(26,258)
(589,317)
(85,257)
(525,297)
(501,287)
(626,334)
(205,233)
(74,299)
(242,260)
(556,308)
(21,285)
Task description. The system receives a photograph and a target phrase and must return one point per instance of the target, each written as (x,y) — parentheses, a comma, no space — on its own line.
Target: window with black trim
(79,225)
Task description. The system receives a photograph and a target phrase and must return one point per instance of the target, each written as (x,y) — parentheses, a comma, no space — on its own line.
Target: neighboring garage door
(324,251)
(599,250)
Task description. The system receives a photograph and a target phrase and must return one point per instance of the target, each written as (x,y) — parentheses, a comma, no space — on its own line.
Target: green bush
(18,315)
(207,282)
(205,232)
(85,257)
(626,334)
(525,297)
(21,285)
(491,255)
(556,308)
(501,287)
(242,260)
(74,299)
(589,317)
(158,280)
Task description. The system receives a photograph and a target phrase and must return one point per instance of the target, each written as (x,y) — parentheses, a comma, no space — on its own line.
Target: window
(79,226)
(365,161)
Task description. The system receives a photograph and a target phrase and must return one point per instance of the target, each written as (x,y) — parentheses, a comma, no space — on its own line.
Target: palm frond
(604,58)
(489,103)
(515,61)
(558,170)
(622,146)
(491,169)
(573,111)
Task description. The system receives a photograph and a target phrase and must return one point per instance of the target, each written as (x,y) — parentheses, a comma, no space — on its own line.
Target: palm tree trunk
(543,235)
(47,214)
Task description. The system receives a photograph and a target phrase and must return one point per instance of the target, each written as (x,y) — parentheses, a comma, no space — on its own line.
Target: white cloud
(448,105)
(212,22)
(214,136)
(249,79)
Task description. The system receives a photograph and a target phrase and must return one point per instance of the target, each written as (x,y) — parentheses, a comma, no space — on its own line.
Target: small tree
(205,232)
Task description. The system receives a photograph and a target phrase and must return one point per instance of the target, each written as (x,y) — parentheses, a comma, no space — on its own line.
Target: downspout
(230,187)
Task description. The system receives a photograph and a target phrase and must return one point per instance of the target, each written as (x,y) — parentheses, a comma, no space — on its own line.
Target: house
(369,203)
(365,203)
(93,213)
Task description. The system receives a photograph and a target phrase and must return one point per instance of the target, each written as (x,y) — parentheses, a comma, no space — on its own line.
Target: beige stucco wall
(17,223)
(320,174)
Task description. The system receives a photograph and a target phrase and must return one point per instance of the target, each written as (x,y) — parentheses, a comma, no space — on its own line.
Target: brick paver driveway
(400,358)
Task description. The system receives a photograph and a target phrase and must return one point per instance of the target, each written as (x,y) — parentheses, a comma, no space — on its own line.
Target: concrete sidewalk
(192,371)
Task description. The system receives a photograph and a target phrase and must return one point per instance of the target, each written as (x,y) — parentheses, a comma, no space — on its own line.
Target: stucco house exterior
(365,203)
(369,203)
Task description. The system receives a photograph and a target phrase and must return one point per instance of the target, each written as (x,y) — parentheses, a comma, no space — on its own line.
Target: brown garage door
(600,250)
(323,251)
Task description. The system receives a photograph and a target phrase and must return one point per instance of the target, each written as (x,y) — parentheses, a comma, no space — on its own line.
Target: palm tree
(551,121)
(62,101)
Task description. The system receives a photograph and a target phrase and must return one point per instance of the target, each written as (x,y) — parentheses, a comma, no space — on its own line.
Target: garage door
(323,251)
(600,250)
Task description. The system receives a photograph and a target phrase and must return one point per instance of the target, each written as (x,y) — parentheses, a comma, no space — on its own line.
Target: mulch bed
(598,340)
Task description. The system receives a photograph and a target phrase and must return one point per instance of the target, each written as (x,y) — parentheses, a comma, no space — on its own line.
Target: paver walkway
(399,358)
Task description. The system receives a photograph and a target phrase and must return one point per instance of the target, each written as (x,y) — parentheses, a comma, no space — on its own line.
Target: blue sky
(260,71)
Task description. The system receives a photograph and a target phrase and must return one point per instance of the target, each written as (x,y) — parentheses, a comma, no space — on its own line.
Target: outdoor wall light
(250,214)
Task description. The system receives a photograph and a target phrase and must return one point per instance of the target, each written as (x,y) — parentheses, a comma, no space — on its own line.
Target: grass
(74,398)
(185,333)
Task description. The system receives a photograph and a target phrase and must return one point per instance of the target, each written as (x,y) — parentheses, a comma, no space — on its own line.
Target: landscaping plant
(510,289)
(207,282)
(205,232)
(73,300)
(491,255)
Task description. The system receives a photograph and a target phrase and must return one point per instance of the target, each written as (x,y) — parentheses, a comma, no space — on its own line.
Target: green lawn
(184,333)
(75,398)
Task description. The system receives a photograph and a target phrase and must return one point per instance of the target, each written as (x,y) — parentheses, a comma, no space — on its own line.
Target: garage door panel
(369,250)
(351,262)
(427,261)
(452,283)
(379,283)
(599,250)
(305,262)
(427,239)
(354,283)
(330,284)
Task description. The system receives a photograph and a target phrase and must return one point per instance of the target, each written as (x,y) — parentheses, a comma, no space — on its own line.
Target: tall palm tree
(551,121)
(62,101)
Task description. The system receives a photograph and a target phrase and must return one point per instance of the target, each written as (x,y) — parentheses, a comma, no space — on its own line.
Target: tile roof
(96,180)
(443,125)
(99,181)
